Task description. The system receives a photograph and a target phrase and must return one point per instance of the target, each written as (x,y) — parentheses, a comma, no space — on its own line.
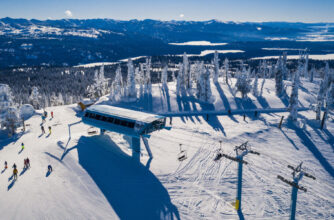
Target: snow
(292,57)
(284,49)
(198,43)
(124,113)
(26,111)
(206,52)
(88,65)
(95,177)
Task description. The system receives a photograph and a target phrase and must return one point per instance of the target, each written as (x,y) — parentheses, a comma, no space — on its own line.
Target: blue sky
(225,10)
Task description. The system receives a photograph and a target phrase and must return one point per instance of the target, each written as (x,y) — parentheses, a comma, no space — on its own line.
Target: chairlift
(92,131)
(219,152)
(182,155)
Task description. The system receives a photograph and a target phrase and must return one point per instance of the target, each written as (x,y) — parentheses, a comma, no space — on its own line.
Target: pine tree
(35,98)
(216,67)
(243,83)
(180,83)
(203,85)
(263,70)
(325,83)
(164,76)
(313,71)
(279,85)
(9,116)
(226,69)
(186,72)
(117,86)
(131,82)
(255,85)
(293,102)
(148,83)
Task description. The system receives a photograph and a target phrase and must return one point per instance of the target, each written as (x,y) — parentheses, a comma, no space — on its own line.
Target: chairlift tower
(241,151)
(297,174)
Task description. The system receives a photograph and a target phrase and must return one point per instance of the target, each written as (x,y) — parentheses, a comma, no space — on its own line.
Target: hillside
(95,177)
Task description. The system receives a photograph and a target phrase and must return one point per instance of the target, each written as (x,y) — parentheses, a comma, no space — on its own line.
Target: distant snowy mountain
(74,41)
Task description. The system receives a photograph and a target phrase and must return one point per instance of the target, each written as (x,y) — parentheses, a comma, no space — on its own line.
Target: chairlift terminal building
(125,121)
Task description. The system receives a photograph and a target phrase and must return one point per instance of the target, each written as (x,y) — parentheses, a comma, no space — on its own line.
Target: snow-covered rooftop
(124,113)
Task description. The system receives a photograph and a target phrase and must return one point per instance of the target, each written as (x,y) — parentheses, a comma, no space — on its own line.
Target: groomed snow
(95,176)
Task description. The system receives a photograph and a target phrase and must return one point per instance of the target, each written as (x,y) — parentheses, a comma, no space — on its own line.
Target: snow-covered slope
(95,176)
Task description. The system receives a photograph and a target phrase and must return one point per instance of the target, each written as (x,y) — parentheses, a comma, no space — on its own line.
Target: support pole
(238,200)
(293,202)
(280,123)
(135,148)
(323,120)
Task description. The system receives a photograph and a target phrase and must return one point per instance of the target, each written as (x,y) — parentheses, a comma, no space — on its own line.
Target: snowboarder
(51,114)
(15,173)
(14,166)
(49,168)
(22,145)
(49,129)
(43,131)
(28,162)
(6,165)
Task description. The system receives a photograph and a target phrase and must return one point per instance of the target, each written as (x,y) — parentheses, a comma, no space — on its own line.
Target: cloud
(68,13)
(181,15)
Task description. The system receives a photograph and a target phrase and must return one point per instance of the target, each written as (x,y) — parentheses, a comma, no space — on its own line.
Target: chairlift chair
(182,155)
(219,152)
(92,131)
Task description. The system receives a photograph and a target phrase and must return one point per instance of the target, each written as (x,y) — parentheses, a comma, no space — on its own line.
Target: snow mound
(26,111)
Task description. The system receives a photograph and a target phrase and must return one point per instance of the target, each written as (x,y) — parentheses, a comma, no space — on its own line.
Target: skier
(49,129)
(43,131)
(14,166)
(15,173)
(51,114)
(43,119)
(22,145)
(25,164)
(6,165)
(49,168)
(45,114)
(28,162)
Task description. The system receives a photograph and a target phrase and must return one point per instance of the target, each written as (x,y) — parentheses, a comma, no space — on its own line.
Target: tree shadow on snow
(226,103)
(130,188)
(304,137)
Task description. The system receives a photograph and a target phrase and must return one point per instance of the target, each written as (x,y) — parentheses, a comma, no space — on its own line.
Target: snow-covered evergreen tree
(186,72)
(203,91)
(180,80)
(117,86)
(164,76)
(263,71)
(255,85)
(279,85)
(131,82)
(226,69)
(293,102)
(216,67)
(141,80)
(243,83)
(9,115)
(35,98)
(312,73)
(100,85)
(148,83)
(320,99)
